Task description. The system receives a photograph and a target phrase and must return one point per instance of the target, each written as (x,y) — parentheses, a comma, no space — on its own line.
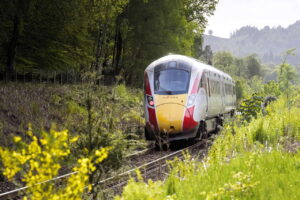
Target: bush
(249,108)
(40,159)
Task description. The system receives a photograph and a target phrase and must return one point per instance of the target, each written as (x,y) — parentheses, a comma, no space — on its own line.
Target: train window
(202,82)
(208,86)
(172,64)
(215,87)
(227,89)
(218,89)
(171,81)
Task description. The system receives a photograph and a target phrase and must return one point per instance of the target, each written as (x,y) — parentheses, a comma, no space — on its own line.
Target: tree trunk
(12,46)
(100,46)
(119,48)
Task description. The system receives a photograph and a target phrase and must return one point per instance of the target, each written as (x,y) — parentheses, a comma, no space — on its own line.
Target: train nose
(170,117)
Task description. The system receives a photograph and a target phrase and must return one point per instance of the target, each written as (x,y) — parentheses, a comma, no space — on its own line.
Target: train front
(170,95)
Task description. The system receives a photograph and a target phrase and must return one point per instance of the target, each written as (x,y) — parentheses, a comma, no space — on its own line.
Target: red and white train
(185,98)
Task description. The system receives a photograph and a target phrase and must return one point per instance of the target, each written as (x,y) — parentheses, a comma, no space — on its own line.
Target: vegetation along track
(151,163)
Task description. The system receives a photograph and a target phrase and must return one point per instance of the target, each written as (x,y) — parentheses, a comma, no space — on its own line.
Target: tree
(286,77)
(224,61)
(271,89)
(113,37)
(198,11)
(208,54)
(253,66)
(286,74)
(57,35)
(17,10)
(156,28)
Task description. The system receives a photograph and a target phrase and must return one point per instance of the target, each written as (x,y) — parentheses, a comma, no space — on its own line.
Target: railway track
(153,169)
(150,169)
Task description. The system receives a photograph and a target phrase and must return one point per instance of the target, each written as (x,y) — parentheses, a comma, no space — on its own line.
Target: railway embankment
(100,115)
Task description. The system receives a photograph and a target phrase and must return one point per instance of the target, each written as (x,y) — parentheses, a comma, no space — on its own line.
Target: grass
(263,175)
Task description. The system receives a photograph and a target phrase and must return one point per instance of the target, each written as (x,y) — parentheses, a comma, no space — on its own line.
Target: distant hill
(268,43)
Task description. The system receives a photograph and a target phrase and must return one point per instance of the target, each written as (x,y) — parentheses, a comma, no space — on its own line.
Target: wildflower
(17,139)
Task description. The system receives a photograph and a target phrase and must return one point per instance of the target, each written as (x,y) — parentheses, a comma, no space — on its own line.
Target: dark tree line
(113,37)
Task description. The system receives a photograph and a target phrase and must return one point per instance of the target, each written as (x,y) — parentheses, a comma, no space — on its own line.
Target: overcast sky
(231,15)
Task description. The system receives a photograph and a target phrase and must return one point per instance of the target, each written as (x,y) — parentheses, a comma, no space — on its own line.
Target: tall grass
(279,128)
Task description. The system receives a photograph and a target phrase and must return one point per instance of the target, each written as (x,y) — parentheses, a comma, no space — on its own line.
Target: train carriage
(185,98)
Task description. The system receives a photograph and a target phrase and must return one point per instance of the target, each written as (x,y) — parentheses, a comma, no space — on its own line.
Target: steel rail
(145,168)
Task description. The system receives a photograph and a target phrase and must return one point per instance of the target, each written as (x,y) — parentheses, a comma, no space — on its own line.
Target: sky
(231,15)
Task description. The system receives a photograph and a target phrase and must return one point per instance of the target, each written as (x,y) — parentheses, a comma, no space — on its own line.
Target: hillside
(268,43)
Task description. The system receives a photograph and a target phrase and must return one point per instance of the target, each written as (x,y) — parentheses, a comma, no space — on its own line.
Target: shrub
(249,108)
(40,160)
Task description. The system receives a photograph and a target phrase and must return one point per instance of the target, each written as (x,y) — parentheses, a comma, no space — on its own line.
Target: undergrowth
(43,105)
(102,116)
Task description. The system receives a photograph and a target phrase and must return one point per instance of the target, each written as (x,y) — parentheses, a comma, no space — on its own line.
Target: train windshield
(171,81)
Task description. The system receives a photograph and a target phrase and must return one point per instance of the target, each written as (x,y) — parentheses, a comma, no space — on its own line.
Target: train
(185,99)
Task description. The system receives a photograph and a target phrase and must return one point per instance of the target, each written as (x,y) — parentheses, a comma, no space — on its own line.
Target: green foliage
(152,29)
(207,55)
(256,84)
(247,67)
(286,76)
(279,127)
(74,108)
(240,89)
(224,61)
(249,75)
(250,107)
(141,190)
(101,116)
(272,89)
(124,95)
(243,177)
(40,159)
(115,38)
(253,66)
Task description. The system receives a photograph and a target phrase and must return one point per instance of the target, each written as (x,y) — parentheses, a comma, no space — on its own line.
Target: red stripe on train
(152,118)
(196,85)
(189,123)
(147,84)
(151,111)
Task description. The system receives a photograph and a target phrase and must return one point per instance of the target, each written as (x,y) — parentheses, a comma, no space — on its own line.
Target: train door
(203,94)
(209,94)
(222,94)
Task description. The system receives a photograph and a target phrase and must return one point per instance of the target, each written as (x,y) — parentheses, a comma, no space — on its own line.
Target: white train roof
(194,63)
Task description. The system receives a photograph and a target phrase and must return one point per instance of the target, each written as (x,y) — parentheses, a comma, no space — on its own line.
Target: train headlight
(191,100)
(150,100)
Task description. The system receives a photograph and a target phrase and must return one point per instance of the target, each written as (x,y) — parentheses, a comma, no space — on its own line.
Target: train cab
(179,98)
